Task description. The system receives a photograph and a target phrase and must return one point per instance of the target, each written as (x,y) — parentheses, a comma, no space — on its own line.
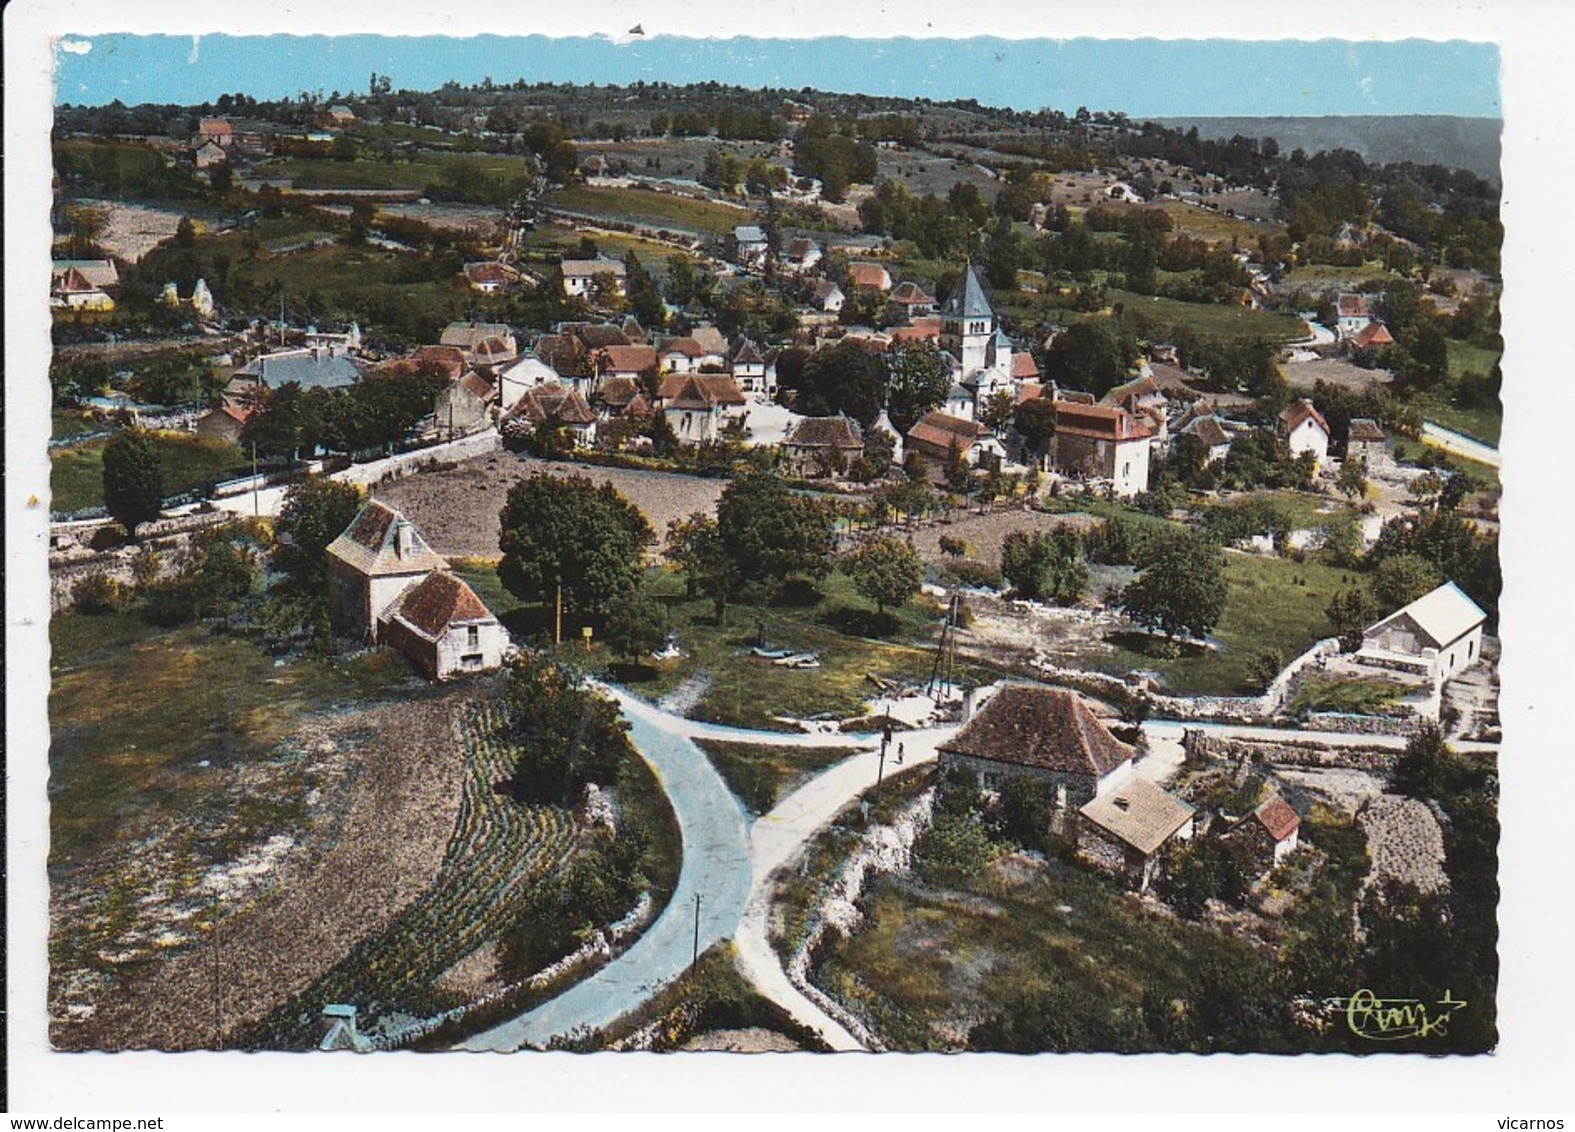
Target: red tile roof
(1373,335)
(939,430)
(868,275)
(1352,306)
(1045,728)
(616,392)
(625,359)
(825,432)
(1278,818)
(1366,429)
(1294,415)
(1024,368)
(436,602)
(688,347)
(700,391)
(1099,422)
(910,294)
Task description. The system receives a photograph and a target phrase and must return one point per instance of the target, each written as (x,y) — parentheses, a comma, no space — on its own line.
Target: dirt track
(343,884)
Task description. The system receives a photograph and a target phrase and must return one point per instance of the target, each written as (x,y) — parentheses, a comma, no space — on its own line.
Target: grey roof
(370,544)
(968,299)
(1139,813)
(749,234)
(310,369)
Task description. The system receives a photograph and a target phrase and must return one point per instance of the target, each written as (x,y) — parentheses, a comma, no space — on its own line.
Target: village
(794,578)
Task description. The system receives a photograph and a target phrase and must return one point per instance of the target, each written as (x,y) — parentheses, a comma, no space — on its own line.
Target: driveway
(716,865)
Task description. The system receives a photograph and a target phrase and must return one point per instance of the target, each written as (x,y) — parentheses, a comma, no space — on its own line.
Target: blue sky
(1145,77)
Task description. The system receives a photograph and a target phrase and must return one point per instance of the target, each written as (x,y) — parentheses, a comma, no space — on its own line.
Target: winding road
(730,862)
(1460,444)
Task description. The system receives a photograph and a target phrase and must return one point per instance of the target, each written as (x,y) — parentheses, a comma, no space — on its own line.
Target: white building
(579,276)
(1303,429)
(1439,635)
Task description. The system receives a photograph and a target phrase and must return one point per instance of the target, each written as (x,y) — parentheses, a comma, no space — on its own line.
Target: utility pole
(256,503)
(557,616)
(694,960)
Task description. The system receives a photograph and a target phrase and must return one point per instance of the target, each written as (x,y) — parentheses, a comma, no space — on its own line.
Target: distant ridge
(1427,139)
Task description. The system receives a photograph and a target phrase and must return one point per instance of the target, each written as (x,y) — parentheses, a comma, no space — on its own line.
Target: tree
(1402,578)
(565,539)
(315,511)
(768,532)
(1035,420)
(636,624)
(1045,565)
(133,479)
(569,735)
(1352,483)
(997,411)
(1091,355)
(185,233)
(918,383)
(844,379)
(1350,611)
(886,570)
(1182,592)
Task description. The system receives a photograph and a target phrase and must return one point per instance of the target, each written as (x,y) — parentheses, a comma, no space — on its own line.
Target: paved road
(716,864)
(1460,444)
(779,836)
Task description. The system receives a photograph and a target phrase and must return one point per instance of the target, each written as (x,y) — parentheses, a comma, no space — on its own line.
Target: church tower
(968,324)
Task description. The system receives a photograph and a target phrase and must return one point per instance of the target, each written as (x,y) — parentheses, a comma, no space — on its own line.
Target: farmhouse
(828,296)
(1102,442)
(226,422)
(869,277)
(698,406)
(464,406)
(1303,429)
(490,276)
(911,300)
(1269,833)
(552,404)
(625,361)
(1352,316)
(371,563)
(1047,734)
(750,239)
(937,435)
(1437,635)
(488,344)
(1124,830)
(800,255)
(444,628)
(580,276)
(750,369)
(822,446)
(1374,336)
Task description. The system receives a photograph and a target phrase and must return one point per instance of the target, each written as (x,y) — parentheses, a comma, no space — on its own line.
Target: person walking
(899,754)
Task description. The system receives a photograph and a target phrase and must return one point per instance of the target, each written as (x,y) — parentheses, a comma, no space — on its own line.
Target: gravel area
(457,510)
(131,231)
(985,533)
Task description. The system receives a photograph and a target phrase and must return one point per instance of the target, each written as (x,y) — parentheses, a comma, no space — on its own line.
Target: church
(980,350)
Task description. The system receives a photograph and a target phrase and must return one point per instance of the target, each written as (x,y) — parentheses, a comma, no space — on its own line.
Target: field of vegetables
(498,849)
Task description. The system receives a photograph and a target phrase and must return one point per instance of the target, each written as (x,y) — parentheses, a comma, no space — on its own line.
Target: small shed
(1124,829)
(1269,833)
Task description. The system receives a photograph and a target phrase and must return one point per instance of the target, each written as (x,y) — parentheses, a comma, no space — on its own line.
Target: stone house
(936,435)
(1102,442)
(821,446)
(1366,441)
(699,406)
(1125,830)
(580,276)
(371,563)
(554,404)
(444,628)
(490,344)
(1269,834)
(464,406)
(828,296)
(1046,734)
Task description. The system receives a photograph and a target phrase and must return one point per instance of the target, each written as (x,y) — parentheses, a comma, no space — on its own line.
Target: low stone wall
(73,564)
(1365,724)
(403,464)
(1200,745)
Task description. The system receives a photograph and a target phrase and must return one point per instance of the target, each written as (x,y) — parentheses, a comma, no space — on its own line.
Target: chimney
(970,703)
(403,545)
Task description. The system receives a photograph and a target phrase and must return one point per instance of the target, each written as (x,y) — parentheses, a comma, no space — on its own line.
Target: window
(470,661)
(473,636)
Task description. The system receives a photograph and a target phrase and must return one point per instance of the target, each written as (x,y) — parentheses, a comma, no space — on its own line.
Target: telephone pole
(694,960)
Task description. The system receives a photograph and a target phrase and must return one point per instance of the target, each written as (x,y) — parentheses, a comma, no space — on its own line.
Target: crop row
(497,850)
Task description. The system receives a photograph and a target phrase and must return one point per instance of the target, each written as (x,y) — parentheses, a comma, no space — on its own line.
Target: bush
(967,572)
(98,594)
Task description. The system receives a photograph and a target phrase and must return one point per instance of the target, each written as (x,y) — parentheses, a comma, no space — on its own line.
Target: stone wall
(1201,746)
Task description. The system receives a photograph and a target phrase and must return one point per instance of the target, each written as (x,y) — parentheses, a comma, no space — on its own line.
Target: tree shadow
(1155,646)
(796,593)
(857,622)
(632,672)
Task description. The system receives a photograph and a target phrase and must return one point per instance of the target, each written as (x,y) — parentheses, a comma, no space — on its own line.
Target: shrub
(967,572)
(99,594)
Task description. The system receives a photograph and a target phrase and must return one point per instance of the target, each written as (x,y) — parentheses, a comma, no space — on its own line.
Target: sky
(1146,78)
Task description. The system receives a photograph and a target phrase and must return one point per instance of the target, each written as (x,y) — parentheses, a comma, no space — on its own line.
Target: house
(616,395)
(863,275)
(1269,834)
(1303,429)
(524,375)
(464,406)
(1024,368)
(1125,830)
(1046,734)
(631,362)
(489,344)
(822,446)
(752,245)
(1143,398)
(681,355)
(634,333)
(1366,441)
(714,347)
(226,422)
(310,368)
(699,406)
(750,369)
(566,354)
(1209,431)
(340,115)
(911,300)
(71,289)
(371,563)
(800,255)
(447,362)
(584,278)
(209,154)
(828,296)
(1101,442)
(1374,336)
(936,435)
(925,329)
(1437,635)
(491,276)
(101,274)
(552,404)
(220,131)
(444,628)
(1351,316)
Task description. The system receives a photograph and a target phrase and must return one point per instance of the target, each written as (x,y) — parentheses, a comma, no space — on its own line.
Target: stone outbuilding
(444,628)
(1269,834)
(378,556)
(1124,830)
(822,446)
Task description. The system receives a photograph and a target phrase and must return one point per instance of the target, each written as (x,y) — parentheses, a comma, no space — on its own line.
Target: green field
(653,208)
(402,173)
(762,774)
(1330,275)
(76,475)
(1271,603)
(1357,697)
(1210,319)
(1216,227)
(1410,452)
(553,239)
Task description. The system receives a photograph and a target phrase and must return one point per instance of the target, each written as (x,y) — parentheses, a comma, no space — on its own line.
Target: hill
(1427,139)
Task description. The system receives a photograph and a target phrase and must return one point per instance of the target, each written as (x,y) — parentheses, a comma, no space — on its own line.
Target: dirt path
(343,884)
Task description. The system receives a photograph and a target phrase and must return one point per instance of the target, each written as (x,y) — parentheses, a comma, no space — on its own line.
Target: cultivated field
(132,230)
(457,510)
